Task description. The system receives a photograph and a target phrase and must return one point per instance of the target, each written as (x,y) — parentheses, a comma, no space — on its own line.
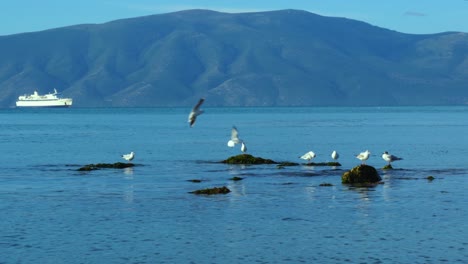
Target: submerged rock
(117,165)
(362,174)
(195,180)
(247,159)
(286,164)
(215,190)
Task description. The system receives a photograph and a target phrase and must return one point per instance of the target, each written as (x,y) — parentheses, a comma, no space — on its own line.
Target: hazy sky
(408,16)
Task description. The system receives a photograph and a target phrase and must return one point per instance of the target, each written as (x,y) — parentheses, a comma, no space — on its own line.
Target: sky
(406,16)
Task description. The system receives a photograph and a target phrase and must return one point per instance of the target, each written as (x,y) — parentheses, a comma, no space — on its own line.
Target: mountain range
(274,58)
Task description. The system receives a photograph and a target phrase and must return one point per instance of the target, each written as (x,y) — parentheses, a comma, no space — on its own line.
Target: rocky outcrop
(362,174)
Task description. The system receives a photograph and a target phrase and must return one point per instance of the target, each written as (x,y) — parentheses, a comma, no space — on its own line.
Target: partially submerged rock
(362,174)
(236,178)
(387,167)
(326,184)
(430,178)
(195,180)
(247,159)
(117,165)
(215,190)
(286,164)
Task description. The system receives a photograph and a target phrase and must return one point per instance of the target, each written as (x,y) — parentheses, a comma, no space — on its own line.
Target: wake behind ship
(47,100)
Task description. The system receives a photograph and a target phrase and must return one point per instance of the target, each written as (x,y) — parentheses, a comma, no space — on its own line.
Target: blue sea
(52,213)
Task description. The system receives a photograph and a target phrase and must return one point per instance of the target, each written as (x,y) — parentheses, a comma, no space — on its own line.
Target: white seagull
(389,157)
(308,156)
(129,157)
(195,112)
(236,140)
(363,156)
(335,155)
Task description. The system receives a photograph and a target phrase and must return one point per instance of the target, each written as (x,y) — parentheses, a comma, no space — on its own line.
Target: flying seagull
(236,140)
(129,157)
(363,156)
(389,157)
(195,112)
(335,155)
(308,156)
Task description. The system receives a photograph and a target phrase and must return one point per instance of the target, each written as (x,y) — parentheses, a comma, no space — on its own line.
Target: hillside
(277,58)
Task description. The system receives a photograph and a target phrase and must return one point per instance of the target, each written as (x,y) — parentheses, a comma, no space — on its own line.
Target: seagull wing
(197,106)
(234,135)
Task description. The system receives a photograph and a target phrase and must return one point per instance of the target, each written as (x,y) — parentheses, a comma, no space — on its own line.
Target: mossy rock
(331,164)
(286,164)
(362,174)
(117,165)
(211,191)
(387,167)
(247,159)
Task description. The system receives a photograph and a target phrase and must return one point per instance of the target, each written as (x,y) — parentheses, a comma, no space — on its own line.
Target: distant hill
(277,58)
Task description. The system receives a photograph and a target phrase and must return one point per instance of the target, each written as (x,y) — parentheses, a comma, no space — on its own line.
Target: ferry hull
(55,103)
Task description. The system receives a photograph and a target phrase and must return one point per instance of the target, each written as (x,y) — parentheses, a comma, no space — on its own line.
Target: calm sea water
(51,213)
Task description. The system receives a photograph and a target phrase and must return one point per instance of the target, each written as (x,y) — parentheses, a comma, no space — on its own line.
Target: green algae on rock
(247,159)
(387,167)
(362,174)
(215,190)
(117,165)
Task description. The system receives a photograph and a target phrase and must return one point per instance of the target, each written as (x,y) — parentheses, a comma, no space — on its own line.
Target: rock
(117,165)
(362,174)
(215,190)
(281,165)
(325,184)
(247,159)
(387,167)
(430,178)
(236,178)
(195,180)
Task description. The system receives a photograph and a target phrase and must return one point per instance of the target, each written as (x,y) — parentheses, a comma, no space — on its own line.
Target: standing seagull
(195,112)
(236,140)
(389,157)
(363,156)
(129,157)
(335,155)
(308,156)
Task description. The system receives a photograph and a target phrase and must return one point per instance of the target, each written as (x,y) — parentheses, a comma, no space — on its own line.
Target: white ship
(47,100)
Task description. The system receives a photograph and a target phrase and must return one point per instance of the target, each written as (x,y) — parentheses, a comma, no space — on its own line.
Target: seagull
(308,156)
(363,156)
(195,112)
(129,157)
(335,155)
(389,158)
(236,140)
